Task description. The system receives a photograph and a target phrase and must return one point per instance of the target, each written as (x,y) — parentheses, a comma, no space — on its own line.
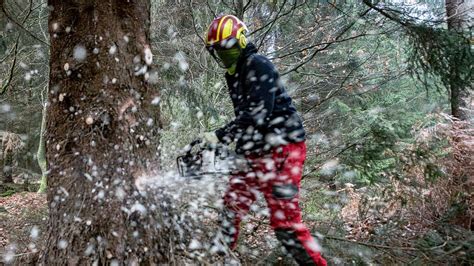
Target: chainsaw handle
(195,142)
(191,145)
(204,146)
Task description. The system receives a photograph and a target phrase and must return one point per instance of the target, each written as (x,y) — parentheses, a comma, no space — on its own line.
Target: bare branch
(12,68)
(20,25)
(274,21)
(194,22)
(337,38)
(385,14)
(210,9)
(276,18)
(247,6)
(346,78)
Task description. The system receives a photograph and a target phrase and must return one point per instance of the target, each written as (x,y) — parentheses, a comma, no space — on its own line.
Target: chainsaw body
(200,159)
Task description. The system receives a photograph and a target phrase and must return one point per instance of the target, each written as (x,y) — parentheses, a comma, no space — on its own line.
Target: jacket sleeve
(261,84)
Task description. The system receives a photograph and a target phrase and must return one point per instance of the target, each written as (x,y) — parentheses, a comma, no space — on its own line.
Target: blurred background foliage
(374,82)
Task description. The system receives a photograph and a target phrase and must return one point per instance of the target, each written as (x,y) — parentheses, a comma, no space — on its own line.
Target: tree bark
(457,19)
(101,135)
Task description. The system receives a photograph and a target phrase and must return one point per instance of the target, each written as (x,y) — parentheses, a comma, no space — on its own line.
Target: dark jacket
(264,114)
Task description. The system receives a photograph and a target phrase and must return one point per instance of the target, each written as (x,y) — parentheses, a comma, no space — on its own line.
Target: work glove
(210,138)
(223,135)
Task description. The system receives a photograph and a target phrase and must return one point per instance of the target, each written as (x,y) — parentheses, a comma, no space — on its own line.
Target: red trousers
(277,175)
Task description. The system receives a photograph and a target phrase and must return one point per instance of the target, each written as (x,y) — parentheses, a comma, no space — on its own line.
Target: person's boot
(225,238)
(218,245)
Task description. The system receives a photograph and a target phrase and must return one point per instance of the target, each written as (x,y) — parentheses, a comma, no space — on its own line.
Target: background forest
(384,87)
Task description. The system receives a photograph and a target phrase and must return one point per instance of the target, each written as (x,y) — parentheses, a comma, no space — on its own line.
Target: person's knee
(284,191)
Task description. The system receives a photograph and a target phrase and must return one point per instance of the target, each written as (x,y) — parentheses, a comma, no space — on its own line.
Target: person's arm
(261,85)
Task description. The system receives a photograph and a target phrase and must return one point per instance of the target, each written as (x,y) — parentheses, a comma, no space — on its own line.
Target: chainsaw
(200,159)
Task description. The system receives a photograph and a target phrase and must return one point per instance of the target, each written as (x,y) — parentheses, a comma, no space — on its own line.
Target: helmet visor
(229,56)
(213,53)
(226,52)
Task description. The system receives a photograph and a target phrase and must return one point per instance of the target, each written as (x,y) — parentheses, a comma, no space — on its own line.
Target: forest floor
(23,218)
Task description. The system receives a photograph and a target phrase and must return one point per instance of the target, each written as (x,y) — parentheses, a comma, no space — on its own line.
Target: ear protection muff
(242,41)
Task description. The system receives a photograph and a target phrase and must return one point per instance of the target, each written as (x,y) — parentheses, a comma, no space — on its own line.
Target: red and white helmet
(226,31)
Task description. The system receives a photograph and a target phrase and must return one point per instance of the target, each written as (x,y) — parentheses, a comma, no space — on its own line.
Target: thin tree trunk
(99,139)
(7,167)
(457,19)
(7,152)
(41,154)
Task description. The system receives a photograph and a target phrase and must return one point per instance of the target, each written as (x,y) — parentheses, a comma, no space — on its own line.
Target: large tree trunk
(101,135)
(458,14)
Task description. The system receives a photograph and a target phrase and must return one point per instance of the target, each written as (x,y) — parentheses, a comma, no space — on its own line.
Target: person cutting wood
(269,132)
